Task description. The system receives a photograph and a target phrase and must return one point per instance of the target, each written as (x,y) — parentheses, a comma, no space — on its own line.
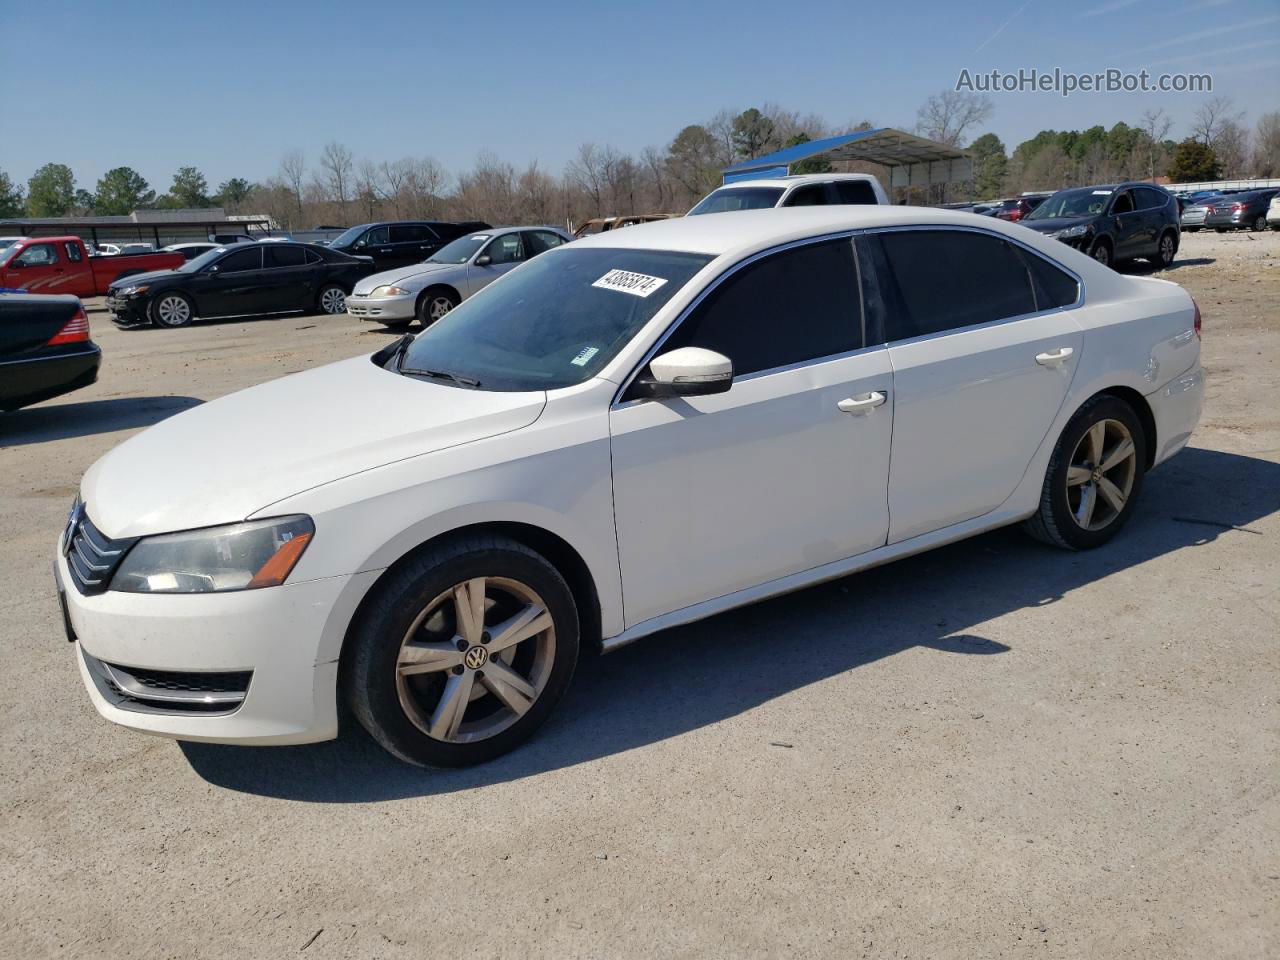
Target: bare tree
(1266,145)
(337,164)
(393,177)
(425,185)
(367,183)
(655,165)
(293,170)
(948,115)
(1155,125)
(1208,121)
(1231,145)
(586,171)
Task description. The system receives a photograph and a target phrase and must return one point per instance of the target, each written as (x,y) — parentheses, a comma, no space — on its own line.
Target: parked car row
(1243,210)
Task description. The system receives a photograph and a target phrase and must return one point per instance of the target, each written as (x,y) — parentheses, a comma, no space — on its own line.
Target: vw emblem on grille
(476,657)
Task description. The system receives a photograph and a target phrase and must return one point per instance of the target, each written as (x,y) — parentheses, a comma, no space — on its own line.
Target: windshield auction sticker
(624,281)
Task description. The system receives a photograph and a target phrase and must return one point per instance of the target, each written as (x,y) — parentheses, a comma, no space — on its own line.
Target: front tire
(172,310)
(332,299)
(462,653)
(1102,252)
(434,304)
(1094,477)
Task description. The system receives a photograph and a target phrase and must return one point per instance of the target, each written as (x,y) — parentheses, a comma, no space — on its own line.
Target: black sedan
(240,281)
(1120,221)
(45,350)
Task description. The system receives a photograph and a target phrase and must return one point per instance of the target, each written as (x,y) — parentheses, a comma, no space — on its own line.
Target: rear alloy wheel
(172,310)
(463,653)
(1167,250)
(1094,477)
(1102,253)
(1260,224)
(333,299)
(434,304)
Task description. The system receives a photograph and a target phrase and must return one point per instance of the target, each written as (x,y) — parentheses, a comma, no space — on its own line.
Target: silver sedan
(427,291)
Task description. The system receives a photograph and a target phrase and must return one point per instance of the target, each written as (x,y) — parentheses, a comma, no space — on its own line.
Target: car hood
(1054,224)
(228,459)
(403,275)
(133,279)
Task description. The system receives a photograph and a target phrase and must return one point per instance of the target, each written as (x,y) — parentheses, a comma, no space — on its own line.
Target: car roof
(795,178)
(742,232)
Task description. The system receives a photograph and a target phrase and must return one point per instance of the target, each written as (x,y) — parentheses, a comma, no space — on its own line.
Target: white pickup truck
(800,190)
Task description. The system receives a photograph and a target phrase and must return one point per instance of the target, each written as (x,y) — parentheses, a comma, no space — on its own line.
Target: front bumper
(275,635)
(383,308)
(127,310)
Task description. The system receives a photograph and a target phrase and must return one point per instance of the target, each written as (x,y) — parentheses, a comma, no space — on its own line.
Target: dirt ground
(992,750)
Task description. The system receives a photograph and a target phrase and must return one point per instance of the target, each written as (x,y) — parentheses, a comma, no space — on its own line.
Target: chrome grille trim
(92,556)
(203,693)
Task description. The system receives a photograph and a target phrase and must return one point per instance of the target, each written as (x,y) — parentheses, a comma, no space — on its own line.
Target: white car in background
(633,431)
(797,190)
(1273,213)
(428,290)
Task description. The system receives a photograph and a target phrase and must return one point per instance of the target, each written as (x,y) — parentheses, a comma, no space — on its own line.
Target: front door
(1128,222)
(236,287)
(982,355)
(785,472)
(504,253)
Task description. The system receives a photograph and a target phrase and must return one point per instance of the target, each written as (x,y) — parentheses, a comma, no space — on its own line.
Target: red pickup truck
(63,265)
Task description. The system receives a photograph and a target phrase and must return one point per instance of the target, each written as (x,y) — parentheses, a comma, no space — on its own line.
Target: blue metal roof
(803,151)
(883,146)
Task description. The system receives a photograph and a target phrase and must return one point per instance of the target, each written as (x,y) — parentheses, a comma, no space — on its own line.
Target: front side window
(789,307)
(1124,203)
(728,199)
(555,321)
(280,255)
(505,249)
(812,195)
(38,255)
(238,261)
(930,281)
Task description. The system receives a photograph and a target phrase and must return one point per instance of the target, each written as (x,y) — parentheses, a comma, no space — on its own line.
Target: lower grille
(169,691)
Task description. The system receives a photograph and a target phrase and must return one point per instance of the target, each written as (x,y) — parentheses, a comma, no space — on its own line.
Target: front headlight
(389,291)
(132,291)
(1079,230)
(238,556)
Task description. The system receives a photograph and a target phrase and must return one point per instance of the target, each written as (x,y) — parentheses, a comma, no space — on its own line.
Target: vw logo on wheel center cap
(476,657)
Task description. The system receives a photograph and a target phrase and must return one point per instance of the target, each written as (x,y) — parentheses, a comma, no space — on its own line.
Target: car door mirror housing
(213,268)
(687,372)
(484,261)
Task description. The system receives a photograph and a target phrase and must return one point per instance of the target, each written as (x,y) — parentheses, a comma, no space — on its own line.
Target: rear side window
(279,255)
(410,233)
(1052,286)
(540,241)
(1149,199)
(313,257)
(812,195)
(936,280)
(855,191)
(797,305)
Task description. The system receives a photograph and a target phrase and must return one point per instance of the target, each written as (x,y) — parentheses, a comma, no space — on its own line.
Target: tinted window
(38,255)
(313,257)
(797,305)
(505,249)
(1124,202)
(281,255)
(73,252)
(1052,286)
(540,241)
(1149,199)
(812,195)
(935,280)
(250,258)
(410,233)
(738,198)
(855,191)
(377,235)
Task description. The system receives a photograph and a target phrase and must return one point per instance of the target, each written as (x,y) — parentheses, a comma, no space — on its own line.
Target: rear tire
(1260,224)
(172,310)
(1166,250)
(1094,477)
(415,652)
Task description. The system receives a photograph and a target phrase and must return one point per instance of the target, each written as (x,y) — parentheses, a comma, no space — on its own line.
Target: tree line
(338,189)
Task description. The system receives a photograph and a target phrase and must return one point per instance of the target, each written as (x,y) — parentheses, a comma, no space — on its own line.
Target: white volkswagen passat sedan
(427,291)
(629,432)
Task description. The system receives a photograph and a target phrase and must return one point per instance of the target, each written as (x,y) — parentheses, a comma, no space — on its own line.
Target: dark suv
(399,243)
(1120,221)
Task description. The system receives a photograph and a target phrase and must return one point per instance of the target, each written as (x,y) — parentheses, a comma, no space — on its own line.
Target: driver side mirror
(686,372)
(213,268)
(484,260)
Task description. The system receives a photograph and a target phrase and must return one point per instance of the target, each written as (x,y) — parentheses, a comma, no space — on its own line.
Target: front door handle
(1054,358)
(862,403)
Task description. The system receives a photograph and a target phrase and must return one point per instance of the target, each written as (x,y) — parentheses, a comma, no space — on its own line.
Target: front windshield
(1087,202)
(554,321)
(460,251)
(202,261)
(727,199)
(347,237)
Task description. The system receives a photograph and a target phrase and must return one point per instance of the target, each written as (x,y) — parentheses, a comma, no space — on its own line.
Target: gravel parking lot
(992,750)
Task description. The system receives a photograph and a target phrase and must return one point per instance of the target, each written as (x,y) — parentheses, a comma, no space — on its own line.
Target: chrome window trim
(618,403)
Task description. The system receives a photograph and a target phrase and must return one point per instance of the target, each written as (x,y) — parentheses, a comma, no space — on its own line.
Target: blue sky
(231,86)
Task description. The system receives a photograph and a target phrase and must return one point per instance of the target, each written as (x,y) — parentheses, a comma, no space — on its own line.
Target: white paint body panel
(719,500)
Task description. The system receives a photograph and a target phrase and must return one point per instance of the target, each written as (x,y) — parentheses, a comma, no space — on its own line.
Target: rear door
(288,283)
(982,354)
(1128,222)
(412,243)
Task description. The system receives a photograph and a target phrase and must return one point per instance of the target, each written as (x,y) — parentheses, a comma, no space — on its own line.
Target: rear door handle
(1054,358)
(862,403)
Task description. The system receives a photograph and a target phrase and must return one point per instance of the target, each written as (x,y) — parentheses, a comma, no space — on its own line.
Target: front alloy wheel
(1102,253)
(462,651)
(172,310)
(333,300)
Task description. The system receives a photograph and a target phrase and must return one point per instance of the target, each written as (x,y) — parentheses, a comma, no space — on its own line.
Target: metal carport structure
(912,161)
